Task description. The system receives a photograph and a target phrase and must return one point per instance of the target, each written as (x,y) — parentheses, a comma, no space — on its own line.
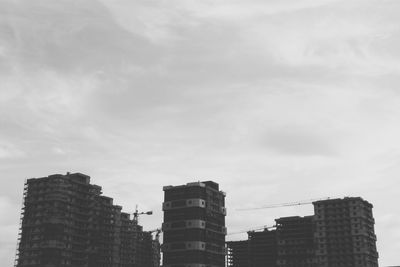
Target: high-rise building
(344,233)
(289,244)
(339,234)
(295,241)
(156,249)
(138,248)
(128,251)
(66,221)
(194,225)
(148,250)
(238,253)
(262,248)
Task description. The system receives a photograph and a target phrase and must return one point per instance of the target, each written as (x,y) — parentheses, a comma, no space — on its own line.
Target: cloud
(68,37)
(293,141)
(9,151)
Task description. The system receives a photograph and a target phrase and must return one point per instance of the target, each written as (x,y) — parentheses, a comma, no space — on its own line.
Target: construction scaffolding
(66,221)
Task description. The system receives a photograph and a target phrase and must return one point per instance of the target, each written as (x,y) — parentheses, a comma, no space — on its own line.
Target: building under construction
(344,233)
(262,248)
(289,244)
(66,221)
(295,241)
(194,225)
(340,233)
(238,253)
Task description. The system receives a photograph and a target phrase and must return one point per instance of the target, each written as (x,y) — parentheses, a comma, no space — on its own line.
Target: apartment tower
(339,234)
(194,225)
(295,242)
(66,221)
(344,233)
(238,253)
(262,248)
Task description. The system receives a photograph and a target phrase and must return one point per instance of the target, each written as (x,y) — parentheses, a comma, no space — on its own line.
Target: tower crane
(286,204)
(137,213)
(253,230)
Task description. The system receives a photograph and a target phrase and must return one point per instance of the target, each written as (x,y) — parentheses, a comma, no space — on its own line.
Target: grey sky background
(276,100)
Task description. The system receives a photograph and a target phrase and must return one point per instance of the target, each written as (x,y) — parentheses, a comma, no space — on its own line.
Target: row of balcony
(193,245)
(190,203)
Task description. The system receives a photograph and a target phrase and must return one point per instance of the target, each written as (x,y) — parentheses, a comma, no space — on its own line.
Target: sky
(276,100)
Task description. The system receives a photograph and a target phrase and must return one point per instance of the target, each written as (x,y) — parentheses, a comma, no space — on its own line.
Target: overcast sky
(276,100)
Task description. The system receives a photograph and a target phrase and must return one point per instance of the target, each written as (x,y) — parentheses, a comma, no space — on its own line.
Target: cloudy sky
(276,100)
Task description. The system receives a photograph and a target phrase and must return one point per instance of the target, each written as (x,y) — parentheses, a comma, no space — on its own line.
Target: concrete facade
(262,248)
(194,225)
(344,233)
(238,253)
(295,241)
(66,221)
(339,234)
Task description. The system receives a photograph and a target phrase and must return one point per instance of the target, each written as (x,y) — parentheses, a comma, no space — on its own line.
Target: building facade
(262,248)
(339,234)
(66,221)
(194,225)
(295,242)
(344,233)
(290,243)
(238,253)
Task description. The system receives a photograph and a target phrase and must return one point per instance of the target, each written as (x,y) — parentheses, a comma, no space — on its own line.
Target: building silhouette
(295,241)
(194,225)
(262,248)
(340,233)
(290,244)
(238,253)
(344,233)
(66,221)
